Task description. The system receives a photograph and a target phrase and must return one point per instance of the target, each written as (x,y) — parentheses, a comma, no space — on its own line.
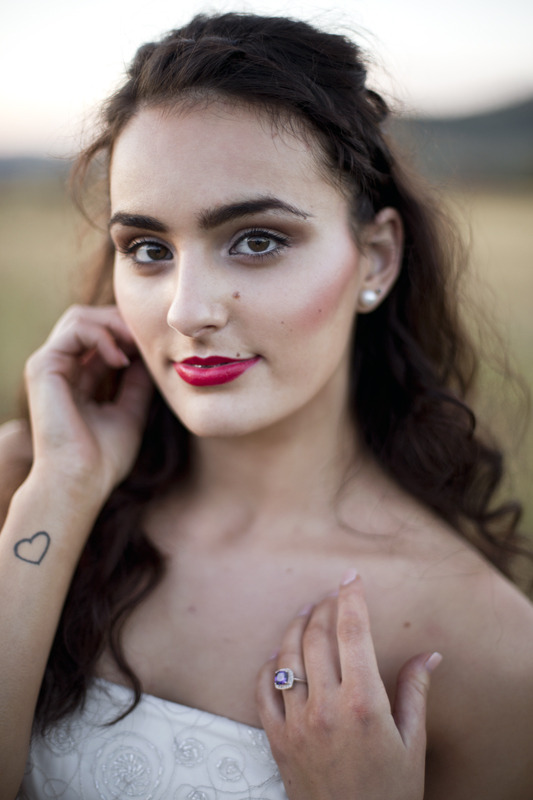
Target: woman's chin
(216,427)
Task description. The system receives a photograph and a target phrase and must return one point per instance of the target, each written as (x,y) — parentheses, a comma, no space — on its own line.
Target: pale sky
(59,58)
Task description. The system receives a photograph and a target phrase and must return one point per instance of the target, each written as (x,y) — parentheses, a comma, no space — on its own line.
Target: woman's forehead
(233,121)
(216,148)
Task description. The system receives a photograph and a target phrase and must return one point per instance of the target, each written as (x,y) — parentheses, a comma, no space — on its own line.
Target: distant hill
(495,147)
(29,167)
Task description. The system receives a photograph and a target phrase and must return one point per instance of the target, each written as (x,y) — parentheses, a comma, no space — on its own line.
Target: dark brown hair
(412,366)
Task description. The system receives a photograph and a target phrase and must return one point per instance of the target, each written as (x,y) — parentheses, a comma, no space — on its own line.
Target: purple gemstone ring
(285,678)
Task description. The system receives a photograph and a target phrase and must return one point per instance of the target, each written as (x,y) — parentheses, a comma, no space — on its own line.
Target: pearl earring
(369,297)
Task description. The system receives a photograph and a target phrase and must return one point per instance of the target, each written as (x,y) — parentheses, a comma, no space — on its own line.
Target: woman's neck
(300,463)
(304,477)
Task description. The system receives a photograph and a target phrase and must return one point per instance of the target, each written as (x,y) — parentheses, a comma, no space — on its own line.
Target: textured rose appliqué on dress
(189,752)
(160,751)
(127,769)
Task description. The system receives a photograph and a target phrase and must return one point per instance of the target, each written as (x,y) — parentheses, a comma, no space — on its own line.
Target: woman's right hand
(74,435)
(335,736)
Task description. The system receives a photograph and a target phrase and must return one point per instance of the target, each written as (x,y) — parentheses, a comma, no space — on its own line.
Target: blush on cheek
(323,300)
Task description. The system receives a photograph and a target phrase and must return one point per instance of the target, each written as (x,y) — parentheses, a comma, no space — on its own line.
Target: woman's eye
(260,243)
(148,252)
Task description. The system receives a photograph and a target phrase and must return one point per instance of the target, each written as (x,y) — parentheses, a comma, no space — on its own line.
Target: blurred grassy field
(39,256)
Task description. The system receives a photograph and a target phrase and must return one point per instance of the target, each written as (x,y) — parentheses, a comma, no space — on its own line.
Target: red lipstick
(212,371)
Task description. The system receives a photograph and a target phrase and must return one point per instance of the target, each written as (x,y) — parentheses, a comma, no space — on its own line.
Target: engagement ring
(285,678)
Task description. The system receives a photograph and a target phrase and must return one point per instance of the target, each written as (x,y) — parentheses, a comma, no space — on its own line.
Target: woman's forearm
(40,544)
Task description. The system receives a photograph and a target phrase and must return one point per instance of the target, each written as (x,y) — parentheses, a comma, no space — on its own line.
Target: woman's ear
(382,251)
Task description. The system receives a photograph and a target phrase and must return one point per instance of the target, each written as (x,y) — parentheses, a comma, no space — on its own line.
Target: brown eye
(148,252)
(258,244)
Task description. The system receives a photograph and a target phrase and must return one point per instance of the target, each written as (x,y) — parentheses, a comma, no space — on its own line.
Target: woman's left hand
(337,738)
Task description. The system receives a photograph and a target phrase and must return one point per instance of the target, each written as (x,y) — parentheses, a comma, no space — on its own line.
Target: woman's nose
(198,303)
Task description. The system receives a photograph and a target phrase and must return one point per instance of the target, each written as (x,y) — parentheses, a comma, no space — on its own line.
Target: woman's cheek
(135,306)
(328,296)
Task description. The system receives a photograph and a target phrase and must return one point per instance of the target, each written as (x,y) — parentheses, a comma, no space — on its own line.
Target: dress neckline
(119,688)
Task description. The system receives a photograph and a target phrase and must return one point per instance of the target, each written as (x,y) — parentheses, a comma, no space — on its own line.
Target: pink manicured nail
(274,655)
(124,358)
(303,612)
(433,662)
(349,576)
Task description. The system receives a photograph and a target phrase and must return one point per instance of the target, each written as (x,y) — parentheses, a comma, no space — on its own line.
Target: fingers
(320,651)
(291,656)
(327,644)
(79,318)
(359,668)
(81,347)
(275,705)
(339,738)
(332,647)
(310,649)
(270,704)
(80,333)
(78,416)
(411,699)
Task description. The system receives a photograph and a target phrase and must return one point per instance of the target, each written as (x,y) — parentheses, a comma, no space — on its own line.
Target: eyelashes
(257,239)
(253,245)
(147,251)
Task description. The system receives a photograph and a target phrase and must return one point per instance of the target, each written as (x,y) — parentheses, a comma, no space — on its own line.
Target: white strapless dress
(161,751)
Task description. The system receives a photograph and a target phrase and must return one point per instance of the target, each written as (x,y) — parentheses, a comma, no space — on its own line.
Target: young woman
(296,419)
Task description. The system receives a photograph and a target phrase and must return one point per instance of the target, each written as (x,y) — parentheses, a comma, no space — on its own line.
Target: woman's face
(236,270)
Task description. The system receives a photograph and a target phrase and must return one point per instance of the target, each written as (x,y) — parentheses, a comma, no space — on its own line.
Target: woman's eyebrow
(137,221)
(212,218)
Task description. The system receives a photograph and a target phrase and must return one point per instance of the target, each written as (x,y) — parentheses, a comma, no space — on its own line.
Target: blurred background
(458,74)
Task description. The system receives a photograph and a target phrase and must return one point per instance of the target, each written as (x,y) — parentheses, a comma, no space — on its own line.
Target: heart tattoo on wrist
(34,549)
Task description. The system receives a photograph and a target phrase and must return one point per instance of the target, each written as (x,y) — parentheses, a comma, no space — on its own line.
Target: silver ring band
(285,678)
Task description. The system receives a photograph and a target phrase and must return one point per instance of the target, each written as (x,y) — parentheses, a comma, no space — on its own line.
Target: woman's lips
(212,371)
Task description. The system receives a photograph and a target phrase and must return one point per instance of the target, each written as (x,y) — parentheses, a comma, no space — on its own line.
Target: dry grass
(499,228)
(39,256)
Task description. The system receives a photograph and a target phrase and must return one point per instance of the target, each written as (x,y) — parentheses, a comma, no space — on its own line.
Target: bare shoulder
(428,590)
(15,434)
(480,717)
(15,460)
(15,447)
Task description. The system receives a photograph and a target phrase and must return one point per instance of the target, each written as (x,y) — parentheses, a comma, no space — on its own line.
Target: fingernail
(349,576)
(273,655)
(303,612)
(124,358)
(433,662)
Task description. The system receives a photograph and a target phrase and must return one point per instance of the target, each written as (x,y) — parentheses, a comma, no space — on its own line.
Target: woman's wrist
(53,497)
(74,488)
